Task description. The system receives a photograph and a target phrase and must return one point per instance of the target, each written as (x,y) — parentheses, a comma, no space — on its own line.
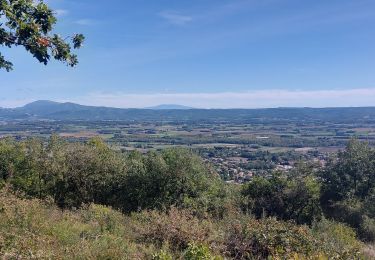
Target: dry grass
(33,229)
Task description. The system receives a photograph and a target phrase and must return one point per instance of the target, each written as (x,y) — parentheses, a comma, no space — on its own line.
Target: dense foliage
(293,198)
(74,174)
(29,23)
(349,188)
(172,205)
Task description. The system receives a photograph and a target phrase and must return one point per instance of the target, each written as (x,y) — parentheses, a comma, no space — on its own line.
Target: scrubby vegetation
(31,228)
(65,200)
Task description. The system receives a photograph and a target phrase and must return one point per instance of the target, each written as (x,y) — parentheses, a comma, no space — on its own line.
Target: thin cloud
(250,99)
(175,18)
(85,22)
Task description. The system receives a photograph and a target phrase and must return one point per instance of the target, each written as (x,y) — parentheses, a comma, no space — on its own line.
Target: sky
(206,54)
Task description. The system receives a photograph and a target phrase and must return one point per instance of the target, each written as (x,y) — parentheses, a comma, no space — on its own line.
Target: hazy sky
(206,53)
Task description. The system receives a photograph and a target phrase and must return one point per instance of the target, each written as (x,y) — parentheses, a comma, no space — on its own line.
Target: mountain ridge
(50,110)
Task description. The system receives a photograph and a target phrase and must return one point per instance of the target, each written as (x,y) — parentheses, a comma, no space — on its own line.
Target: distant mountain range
(49,110)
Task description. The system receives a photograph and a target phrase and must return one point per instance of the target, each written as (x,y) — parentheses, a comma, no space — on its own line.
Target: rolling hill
(50,110)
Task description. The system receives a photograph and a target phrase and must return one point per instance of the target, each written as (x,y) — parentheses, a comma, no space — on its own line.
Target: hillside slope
(37,229)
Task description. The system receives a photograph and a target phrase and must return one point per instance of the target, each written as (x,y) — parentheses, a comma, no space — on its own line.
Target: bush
(176,177)
(269,238)
(348,186)
(199,252)
(337,240)
(176,228)
(108,219)
(272,239)
(162,255)
(294,198)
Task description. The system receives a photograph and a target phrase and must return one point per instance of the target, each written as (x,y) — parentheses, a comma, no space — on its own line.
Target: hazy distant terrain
(70,111)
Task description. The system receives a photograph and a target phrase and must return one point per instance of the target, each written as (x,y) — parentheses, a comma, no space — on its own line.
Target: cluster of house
(230,168)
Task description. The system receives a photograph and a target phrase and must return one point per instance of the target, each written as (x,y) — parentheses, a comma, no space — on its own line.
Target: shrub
(337,240)
(162,255)
(348,186)
(176,228)
(294,198)
(108,220)
(175,177)
(268,238)
(199,252)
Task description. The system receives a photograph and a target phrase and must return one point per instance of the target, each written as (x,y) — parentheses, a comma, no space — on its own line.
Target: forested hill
(70,111)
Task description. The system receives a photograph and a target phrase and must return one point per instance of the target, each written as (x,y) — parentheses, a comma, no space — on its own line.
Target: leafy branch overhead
(29,23)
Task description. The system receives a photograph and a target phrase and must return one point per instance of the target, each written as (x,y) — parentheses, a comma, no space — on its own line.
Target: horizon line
(276,98)
(183,107)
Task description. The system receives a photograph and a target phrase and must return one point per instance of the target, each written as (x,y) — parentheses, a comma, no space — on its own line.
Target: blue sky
(206,53)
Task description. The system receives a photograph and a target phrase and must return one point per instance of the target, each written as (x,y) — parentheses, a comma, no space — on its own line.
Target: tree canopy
(30,23)
(348,188)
